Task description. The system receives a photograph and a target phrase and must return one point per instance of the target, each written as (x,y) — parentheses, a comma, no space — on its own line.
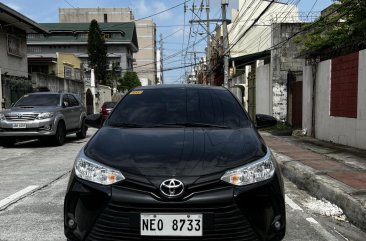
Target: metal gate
(296,89)
(251,94)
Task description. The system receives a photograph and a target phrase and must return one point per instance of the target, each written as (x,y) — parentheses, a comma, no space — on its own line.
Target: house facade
(72,38)
(14,79)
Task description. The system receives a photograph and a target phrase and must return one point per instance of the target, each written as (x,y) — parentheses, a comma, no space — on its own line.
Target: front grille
(21,117)
(121,221)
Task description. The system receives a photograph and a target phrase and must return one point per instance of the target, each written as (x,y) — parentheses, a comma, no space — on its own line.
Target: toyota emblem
(172,188)
(19,115)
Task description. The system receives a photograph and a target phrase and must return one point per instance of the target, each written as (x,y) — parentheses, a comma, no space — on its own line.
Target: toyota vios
(176,162)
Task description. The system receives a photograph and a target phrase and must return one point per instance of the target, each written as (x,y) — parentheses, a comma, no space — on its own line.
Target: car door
(67,112)
(75,110)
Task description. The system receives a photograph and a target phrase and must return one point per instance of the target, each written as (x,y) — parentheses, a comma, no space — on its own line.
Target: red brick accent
(344,86)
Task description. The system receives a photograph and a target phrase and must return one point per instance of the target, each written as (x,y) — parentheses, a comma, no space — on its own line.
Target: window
(14,46)
(77,74)
(73,101)
(105,18)
(67,72)
(39,100)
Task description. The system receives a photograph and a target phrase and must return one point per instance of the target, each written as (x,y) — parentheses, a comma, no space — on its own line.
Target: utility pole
(224,4)
(161,59)
(208,57)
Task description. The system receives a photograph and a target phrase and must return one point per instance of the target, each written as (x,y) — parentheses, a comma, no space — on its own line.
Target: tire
(8,141)
(59,137)
(83,130)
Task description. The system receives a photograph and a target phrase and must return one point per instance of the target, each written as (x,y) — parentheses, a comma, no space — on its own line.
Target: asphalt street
(33,184)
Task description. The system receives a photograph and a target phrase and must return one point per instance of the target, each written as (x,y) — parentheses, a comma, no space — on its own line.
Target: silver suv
(43,115)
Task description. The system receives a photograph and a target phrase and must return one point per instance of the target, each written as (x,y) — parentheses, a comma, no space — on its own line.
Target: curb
(323,187)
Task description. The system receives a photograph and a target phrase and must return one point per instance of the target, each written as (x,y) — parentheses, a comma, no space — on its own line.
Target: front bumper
(229,213)
(34,128)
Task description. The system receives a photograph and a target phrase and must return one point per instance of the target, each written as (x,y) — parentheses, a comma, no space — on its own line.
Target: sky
(173,24)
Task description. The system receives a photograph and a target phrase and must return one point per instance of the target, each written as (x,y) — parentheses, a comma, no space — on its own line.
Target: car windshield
(39,100)
(176,107)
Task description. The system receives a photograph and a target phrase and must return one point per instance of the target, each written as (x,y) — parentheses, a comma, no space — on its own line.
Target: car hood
(175,151)
(31,109)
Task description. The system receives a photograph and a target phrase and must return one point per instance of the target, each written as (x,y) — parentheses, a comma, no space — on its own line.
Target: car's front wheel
(59,137)
(82,133)
(8,141)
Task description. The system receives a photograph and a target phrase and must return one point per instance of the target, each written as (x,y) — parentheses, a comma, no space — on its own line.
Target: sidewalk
(334,172)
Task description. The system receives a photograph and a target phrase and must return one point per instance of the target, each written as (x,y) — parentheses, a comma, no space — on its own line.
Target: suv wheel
(82,133)
(59,137)
(8,142)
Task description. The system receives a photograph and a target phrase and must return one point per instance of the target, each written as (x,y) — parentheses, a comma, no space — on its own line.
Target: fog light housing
(71,223)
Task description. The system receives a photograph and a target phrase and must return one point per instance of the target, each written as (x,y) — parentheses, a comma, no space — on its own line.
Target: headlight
(45,115)
(89,170)
(2,117)
(260,170)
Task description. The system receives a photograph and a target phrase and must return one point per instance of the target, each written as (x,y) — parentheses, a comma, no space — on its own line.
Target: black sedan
(176,162)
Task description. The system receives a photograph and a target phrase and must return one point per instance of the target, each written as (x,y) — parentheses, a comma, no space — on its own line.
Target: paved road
(42,173)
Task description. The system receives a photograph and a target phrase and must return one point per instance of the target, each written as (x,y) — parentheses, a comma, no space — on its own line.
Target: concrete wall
(79,15)
(307,96)
(283,59)
(12,64)
(342,130)
(263,90)
(104,95)
(55,84)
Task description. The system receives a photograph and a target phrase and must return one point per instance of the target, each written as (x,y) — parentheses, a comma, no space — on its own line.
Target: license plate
(171,224)
(19,125)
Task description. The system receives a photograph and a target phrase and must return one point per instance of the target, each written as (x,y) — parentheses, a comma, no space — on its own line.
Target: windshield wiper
(127,125)
(192,124)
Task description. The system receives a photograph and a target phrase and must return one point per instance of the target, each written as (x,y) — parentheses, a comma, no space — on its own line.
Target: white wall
(346,131)
(263,90)
(307,95)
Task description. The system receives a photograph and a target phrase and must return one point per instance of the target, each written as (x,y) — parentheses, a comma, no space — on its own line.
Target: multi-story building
(145,61)
(121,42)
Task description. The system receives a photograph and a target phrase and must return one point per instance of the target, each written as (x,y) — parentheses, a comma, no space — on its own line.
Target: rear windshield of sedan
(180,105)
(39,100)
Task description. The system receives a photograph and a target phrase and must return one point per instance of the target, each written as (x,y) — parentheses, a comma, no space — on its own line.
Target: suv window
(172,105)
(39,100)
(73,101)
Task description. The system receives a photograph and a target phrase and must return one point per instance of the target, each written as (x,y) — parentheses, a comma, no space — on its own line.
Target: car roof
(179,86)
(50,93)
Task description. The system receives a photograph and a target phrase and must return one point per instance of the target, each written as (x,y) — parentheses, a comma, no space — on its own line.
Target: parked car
(176,162)
(44,115)
(106,109)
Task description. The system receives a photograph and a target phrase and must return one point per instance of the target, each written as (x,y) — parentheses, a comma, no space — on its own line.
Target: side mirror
(94,120)
(264,121)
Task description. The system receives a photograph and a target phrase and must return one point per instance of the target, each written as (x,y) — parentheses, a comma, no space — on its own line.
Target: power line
(309,27)
(152,15)
(254,22)
(69,4)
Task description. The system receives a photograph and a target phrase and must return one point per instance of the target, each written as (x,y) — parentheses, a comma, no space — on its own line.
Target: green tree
(97,52)
(128,81)
(343,25)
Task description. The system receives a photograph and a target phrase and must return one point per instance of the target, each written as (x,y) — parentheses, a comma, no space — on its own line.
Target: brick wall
(344,86)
